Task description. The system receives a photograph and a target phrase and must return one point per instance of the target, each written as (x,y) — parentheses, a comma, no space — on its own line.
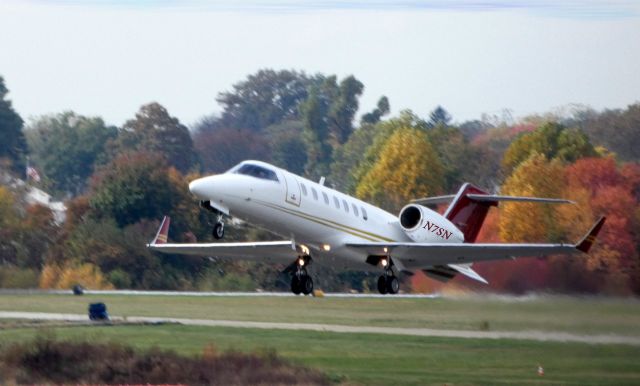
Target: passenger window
(346,206)
(364,214)
(304,189)
(355,209)
(326,198)
(315,194)
(336,202)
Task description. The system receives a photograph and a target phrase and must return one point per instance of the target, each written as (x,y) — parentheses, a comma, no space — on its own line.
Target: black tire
(393,285)
(296,286)
(306,285)
(218,231)
(382,285)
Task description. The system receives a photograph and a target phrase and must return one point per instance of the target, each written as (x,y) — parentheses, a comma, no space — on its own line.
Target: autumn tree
(533,222)
(608,189)
(66,147)
(552,140)
(154,130)
(617,130)
(408,167)
(13,145)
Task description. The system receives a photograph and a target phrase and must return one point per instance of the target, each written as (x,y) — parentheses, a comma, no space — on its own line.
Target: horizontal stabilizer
(490,198)
(444,273)
(468,272)
(434,200)
(495,198)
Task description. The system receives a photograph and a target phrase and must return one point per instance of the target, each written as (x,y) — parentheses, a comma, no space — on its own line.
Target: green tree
(220,149)
(343,109)
(67,147)
(382,109)
(154,130)
(552,140)
(287,146)
(265,98)
(439,117)
(315,134)
(13,144)
(408,167)
(135,186)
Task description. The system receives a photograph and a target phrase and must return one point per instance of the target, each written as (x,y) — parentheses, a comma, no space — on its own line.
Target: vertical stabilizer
(468,214)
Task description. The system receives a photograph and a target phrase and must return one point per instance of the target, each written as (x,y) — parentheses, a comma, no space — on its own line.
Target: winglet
(163,231)
(585,244)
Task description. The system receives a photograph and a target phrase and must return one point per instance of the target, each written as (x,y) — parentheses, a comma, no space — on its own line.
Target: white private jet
(325,226)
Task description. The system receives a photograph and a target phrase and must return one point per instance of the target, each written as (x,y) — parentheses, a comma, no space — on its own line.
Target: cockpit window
(257,171)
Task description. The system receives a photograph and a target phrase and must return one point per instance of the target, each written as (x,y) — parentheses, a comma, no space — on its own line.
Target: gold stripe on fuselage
(328,223)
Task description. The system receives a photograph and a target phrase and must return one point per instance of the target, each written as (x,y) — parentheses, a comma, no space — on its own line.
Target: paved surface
(218,294)
(518,335)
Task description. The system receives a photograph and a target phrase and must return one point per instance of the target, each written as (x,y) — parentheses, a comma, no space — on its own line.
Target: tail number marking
(437,230)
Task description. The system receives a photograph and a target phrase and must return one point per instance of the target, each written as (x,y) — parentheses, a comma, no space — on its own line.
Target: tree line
(118,182)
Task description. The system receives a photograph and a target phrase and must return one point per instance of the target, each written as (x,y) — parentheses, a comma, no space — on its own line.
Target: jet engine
(423,225)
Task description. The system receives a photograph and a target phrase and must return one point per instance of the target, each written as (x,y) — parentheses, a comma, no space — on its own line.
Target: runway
(424,332)
(214,294)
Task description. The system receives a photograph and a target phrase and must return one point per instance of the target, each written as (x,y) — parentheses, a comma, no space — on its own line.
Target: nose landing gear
(218,228)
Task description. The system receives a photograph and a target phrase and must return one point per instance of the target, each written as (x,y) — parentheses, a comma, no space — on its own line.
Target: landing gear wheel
(306,284)
(393,285)
(218,231)
(296,286)
(382,285)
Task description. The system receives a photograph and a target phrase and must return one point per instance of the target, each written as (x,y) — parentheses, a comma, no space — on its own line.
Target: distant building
(34,196)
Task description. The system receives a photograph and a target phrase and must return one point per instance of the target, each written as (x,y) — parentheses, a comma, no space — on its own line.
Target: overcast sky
(107,58)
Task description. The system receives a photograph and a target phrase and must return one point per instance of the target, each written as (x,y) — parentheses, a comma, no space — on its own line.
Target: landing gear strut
(388,282)
(301,282)
(218,228)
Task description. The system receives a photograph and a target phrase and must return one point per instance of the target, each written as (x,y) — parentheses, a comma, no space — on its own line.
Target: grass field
(372,358)
(583,316)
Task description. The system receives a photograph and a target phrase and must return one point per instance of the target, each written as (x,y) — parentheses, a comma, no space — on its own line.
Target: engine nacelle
(423,225)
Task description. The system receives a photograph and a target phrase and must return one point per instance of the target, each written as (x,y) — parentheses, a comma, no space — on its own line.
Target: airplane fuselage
(309,213)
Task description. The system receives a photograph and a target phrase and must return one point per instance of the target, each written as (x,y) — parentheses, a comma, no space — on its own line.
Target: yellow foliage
(534,222)
(49,276)
(407,168)
(87,275)
(7,208)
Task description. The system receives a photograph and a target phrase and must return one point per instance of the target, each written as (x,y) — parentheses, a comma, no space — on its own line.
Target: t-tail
(469,207)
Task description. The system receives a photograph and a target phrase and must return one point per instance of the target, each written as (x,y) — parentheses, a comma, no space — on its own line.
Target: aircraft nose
(199,188)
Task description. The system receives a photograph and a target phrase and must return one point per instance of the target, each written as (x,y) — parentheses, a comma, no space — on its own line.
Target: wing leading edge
(414,256)
(265,251)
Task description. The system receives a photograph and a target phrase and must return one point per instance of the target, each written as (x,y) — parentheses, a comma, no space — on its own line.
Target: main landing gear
(388,283)
(218,228)
(301,282)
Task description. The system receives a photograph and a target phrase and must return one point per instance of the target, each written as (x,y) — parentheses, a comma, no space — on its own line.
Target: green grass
(385,360)
(582,315)
(372,358)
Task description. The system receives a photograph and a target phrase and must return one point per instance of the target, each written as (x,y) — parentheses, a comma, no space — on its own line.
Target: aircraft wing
(264,251)
(413,256)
